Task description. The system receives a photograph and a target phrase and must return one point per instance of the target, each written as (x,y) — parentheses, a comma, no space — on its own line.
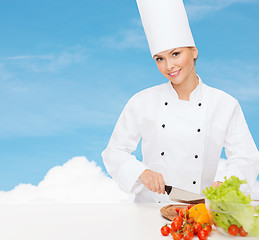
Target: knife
(180,195)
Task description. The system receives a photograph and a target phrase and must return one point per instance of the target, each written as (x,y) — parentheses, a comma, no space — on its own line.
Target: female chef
(183,124)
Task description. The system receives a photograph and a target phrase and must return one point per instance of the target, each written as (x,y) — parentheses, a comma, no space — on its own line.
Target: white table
(63,221)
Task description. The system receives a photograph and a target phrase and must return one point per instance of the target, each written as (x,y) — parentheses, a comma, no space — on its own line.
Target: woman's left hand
(216,184)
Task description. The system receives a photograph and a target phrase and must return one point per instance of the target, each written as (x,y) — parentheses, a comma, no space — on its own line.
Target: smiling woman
(183,124)
(178,66)
(66,73)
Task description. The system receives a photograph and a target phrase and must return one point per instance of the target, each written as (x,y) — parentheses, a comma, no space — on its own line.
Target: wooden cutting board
(169,212)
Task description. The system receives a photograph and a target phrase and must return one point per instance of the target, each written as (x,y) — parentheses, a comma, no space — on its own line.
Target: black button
(163,126)
(196,156)
(199,104)
(198,130)
(166,103)
(162,153)
(194,182)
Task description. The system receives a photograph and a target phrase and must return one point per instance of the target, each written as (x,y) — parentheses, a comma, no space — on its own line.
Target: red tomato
(207,228)
(191,220)
(233,230)
(190,206)
(197,227)
(176,225)
(187,235)
(242,232)
(178,219)
(165,230)
(203,235)
(177,210)
(188,227)
(183,213)
(177,236)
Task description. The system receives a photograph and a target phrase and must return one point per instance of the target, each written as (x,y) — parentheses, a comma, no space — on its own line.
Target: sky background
(67,68)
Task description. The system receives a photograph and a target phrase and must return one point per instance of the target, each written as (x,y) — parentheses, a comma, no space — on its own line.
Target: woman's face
(178,64)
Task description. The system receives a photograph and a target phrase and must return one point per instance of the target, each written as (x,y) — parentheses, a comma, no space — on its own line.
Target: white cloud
(128,37)
(50,62)
(198,9)
(77,181)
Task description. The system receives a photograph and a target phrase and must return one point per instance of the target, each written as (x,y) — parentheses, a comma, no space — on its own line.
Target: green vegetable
(255,226)
(229,205)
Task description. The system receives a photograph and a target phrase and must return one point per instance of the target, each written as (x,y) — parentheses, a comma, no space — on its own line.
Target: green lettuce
(231,206)
(255,226)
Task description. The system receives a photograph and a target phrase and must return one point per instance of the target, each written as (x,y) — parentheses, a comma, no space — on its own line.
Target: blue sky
(67,68)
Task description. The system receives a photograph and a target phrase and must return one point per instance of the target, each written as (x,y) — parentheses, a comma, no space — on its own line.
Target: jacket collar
(195,94)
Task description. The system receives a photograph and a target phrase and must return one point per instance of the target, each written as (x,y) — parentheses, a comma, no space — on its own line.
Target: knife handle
(168,189)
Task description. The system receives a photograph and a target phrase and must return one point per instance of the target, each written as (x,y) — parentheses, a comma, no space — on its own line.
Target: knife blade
(180,195)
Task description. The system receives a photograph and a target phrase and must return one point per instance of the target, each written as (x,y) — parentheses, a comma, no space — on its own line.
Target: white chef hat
(166,24)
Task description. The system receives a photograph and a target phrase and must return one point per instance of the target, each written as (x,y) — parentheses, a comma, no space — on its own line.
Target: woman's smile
(175,73)
(178,66)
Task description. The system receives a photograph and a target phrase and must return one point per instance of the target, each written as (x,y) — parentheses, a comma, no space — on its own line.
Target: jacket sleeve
(242,154)
(123,167)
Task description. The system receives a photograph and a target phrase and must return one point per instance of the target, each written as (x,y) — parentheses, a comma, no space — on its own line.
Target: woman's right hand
(154,181)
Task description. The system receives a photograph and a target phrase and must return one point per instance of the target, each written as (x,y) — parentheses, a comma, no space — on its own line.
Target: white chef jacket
(182,140)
